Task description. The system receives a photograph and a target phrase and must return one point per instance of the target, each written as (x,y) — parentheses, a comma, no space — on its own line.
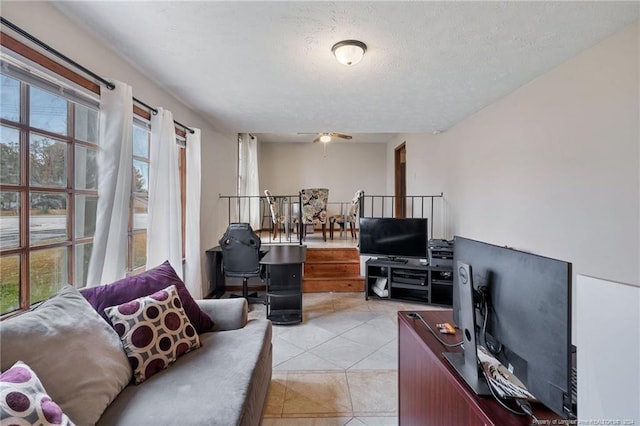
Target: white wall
(45,22)
(344,168)
(552,168)
(607,390)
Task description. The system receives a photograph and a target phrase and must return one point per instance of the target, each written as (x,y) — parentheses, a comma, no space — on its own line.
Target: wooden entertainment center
(430,391)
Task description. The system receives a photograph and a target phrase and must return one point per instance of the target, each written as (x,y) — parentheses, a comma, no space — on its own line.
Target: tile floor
(339,366)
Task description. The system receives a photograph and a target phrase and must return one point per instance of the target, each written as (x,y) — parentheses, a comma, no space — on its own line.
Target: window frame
(25,188)
(44,66)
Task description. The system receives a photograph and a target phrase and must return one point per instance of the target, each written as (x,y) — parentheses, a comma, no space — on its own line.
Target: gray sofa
(82,366)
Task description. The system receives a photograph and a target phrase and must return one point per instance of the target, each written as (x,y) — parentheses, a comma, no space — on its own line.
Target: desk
(284,283)
(429,389)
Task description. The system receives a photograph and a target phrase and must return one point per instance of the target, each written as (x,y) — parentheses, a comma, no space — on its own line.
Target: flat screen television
(528,317)
(393,238)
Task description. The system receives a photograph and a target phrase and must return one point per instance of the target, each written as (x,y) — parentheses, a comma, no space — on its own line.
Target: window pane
(47,218)
(85,215)
(9,155)
(140,142)
(47,111)
(10,98)
(47,272)
(140,212)
(139,249)
(140,176)
(83,253)
(86,124)
(47,161)
(9,219)
(9,283)
(86,168)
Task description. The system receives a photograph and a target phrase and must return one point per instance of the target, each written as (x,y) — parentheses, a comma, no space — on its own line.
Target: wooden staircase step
(332,268)
(332,253)
(335,284)
(335,269)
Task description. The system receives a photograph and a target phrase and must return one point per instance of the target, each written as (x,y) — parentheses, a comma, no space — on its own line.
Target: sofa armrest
(227,314)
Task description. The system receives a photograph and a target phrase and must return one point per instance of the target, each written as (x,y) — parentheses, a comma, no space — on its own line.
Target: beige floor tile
(275,395)
(339,366)
(322,393)
(343,352)
(306,361)
(284,351)
(371,335)
(375,421)
(315,421)
(373,392)
(385,358)
(306,336)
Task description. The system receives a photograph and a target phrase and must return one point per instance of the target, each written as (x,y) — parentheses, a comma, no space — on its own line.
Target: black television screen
(529,316)
(393,237)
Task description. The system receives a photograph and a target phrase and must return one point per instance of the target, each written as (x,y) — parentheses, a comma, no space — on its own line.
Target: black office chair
(241,257)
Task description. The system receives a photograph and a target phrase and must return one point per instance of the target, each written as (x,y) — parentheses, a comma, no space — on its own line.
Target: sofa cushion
(150,281)
(154,331)
(76,354)
(24,400)
(223,383)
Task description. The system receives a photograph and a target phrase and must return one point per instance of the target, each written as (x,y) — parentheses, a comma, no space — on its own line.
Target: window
(139,197)
(48,189)
(48,179)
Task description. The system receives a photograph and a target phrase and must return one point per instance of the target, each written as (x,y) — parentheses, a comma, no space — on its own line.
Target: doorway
(401,180)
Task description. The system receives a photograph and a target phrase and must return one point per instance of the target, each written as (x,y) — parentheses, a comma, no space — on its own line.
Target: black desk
(215,276)
(284,283)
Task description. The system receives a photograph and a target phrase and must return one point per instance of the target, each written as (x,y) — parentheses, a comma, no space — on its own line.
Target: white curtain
(193,252)
(164,233)
(115,157)
(249,184)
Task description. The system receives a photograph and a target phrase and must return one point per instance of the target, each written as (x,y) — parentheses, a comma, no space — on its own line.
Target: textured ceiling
(267,67)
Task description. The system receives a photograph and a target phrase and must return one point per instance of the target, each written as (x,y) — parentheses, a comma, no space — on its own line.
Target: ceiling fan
(326,137)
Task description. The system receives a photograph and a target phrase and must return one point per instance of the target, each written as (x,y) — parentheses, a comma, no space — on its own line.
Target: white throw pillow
(154,331)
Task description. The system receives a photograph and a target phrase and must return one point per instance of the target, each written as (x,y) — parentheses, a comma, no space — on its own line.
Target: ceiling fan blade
(317,139)
(341,135)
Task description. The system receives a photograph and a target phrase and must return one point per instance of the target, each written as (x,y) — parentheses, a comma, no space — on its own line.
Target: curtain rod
(70,61)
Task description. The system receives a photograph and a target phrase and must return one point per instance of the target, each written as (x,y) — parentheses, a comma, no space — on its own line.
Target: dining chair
(351,217)
(314,209)
(277,218)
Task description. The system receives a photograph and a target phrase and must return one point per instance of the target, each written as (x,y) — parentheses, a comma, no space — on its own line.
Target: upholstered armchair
(314,209)
(277,218)
(351,217)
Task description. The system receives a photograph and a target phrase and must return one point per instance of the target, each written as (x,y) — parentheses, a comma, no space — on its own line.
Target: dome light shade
(325,138)
(349,52)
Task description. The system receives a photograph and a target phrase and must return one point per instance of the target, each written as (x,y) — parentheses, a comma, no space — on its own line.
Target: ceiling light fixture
(325,138)
(349,52)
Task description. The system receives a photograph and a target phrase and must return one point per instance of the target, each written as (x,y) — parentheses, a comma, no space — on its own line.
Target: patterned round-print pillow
(24,401)
(154,331)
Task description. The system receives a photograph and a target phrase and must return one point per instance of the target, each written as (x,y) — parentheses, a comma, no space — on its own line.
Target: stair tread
(331,248)
(337,277)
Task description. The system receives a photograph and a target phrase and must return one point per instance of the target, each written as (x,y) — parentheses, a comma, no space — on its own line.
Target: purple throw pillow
(144,284)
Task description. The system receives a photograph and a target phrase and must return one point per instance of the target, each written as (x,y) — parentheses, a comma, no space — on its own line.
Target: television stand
(408,280)
(393,259)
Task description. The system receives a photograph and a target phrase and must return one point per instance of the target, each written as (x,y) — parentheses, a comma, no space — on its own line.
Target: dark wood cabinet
(431,392)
